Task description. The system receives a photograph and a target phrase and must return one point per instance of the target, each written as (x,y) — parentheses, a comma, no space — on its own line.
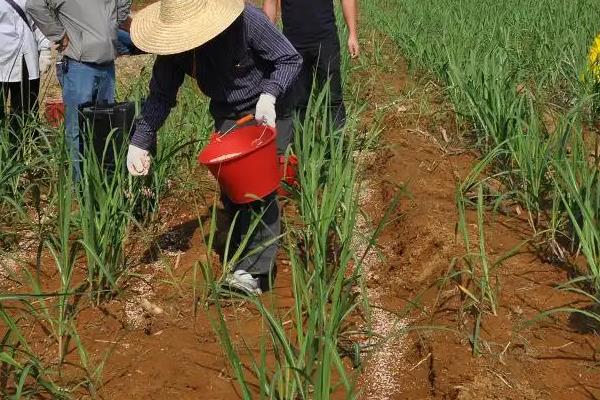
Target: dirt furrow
(423,150)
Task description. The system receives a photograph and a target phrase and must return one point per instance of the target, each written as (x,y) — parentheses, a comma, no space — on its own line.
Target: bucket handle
(237,123)
(258,140)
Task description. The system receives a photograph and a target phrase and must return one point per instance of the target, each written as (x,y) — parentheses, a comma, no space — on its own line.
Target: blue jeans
(83,83)
(125,46)
(124,43)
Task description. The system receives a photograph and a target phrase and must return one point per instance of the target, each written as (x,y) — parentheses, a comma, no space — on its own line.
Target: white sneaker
(243,281)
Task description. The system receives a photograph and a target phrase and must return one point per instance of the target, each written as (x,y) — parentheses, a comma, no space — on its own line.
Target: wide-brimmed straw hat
(176,26)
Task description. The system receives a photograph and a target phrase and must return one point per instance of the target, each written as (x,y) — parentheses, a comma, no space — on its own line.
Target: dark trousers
(262,262)
(321,63)
(23,97)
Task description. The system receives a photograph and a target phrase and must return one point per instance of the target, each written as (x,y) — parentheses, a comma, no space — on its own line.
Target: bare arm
(350,10)
(270,9)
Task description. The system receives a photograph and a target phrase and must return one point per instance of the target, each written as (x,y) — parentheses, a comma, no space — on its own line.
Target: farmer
(244,65)
(24,55)
(86,35)
(310,26)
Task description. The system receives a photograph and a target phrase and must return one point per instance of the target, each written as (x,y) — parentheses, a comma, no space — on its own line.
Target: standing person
(244,65)
(310,26)
(24,55)
(86,35)
(125,46)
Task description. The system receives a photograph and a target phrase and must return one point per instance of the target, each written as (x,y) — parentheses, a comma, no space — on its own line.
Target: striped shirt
(249,58)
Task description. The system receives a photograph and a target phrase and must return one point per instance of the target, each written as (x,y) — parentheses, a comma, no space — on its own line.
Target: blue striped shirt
(249,58)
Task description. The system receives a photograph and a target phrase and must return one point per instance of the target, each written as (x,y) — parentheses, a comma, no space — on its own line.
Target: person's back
(311,27)
(307,22)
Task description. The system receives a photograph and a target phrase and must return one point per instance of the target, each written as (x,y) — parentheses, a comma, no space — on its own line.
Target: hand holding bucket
(218,135)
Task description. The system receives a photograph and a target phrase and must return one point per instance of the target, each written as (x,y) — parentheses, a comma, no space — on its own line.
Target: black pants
(320,64)
(23,97)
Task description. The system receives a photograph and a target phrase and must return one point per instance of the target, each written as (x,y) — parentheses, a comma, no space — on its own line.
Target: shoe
(244,282)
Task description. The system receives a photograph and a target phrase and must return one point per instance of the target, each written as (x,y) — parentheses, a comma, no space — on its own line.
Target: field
(445,245)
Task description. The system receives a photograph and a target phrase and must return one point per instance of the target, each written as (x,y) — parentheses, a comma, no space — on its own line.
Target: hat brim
(152,35)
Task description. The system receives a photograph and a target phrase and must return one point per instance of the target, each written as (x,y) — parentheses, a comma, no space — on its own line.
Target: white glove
(138,161)
(265,110)
(45,60)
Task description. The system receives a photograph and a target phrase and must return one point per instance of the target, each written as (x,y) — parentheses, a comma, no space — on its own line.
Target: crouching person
(245,66)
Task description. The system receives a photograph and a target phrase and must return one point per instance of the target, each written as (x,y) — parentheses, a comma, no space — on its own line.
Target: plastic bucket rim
(265,142)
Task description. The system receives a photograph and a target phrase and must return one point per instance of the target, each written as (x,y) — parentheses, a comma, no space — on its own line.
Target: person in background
(86,36)
(24,56)
(244,65)
(125,46)
(310,26)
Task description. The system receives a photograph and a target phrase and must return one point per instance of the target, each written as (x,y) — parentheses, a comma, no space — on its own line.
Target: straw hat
(176,26)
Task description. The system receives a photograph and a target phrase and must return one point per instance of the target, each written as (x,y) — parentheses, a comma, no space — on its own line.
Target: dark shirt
(249,58)
(306,23)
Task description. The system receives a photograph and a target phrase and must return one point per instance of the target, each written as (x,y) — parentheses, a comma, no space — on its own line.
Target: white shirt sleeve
(19,44)
(42,41)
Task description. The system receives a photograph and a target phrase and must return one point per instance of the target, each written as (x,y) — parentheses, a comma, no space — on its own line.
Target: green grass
(516,75)
(81,233)
(106,204)
(577,181)
(306,352)
(307,356)
(83,227)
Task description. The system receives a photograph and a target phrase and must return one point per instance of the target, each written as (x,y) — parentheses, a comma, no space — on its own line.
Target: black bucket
(102,119)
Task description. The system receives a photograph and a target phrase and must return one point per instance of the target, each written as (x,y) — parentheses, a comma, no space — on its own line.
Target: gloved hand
(138,161)
(45,60)
(265,110)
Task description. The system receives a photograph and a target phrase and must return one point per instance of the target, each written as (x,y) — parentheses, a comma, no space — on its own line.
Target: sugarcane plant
(307,343)
(105,209)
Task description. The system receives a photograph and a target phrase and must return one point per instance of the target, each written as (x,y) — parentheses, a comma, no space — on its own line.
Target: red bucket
(244,162)
(288,167)
(54,112)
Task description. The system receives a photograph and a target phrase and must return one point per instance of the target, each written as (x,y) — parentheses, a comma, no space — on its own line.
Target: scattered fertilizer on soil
(379,376)
(137,308)
(150,307)
(225,157)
